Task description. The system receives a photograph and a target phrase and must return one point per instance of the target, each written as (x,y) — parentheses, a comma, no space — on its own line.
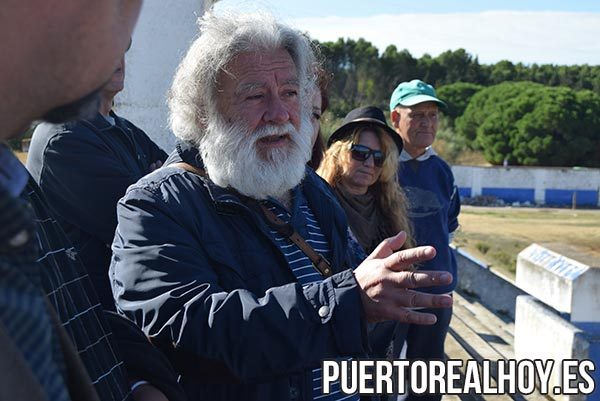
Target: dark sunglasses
(361,153)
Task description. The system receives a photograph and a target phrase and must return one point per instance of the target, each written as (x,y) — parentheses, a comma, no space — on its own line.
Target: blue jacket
(434,206)
(84,168)
(197,268)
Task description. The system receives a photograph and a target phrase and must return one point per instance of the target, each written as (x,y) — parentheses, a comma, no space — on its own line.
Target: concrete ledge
(493,289)
(541,333)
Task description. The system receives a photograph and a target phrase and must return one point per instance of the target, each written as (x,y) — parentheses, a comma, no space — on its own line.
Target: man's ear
(395,117)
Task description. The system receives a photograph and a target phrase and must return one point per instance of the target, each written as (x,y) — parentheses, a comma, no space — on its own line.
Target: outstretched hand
(386,285)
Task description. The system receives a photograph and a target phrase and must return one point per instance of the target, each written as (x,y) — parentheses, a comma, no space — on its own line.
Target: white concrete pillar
(162,36)
(564,284)
(476,181)
(540,184)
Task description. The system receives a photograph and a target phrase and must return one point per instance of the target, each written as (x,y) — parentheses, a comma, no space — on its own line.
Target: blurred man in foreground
(55,57)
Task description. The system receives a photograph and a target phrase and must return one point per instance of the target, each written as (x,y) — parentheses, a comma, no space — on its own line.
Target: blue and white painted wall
(537,185)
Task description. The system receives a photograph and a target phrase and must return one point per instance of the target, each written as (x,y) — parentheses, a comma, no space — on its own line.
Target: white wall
(162,36)
(538,179)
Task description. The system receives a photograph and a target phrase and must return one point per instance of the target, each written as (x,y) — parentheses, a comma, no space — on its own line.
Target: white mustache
(273,130)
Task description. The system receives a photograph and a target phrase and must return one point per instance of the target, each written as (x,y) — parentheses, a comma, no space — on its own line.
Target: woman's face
(360,175)
(315,114)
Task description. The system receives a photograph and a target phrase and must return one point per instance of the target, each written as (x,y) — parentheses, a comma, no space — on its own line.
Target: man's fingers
(420,279)
(402,260)
(388,246)
(414,299)
(405,305)
(414,317)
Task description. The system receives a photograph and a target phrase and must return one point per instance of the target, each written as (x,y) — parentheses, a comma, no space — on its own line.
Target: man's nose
(277,111)
(428,121)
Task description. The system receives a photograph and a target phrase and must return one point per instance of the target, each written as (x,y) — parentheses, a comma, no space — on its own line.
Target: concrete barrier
(561,318)
(541,333)
(567,285)
(493,289)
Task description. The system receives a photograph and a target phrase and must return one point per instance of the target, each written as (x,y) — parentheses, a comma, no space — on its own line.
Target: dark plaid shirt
(23,313)
(52,263)
(72,294)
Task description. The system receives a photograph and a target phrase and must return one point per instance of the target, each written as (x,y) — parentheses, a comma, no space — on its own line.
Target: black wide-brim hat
(364,116)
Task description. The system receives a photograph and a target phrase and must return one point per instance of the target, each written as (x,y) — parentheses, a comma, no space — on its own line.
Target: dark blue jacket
(434,206)
(84,168)
(197,268)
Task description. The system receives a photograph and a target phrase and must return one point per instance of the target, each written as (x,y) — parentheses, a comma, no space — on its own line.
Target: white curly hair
(222,37)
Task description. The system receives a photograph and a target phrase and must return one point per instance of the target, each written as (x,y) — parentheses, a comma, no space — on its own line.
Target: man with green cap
(433,207)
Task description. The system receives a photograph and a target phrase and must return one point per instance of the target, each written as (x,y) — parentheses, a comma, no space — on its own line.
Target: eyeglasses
(361,153)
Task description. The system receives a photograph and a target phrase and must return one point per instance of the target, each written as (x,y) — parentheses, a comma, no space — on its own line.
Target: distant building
(553,186)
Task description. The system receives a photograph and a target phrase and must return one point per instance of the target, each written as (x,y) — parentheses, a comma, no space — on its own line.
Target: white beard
(231,157)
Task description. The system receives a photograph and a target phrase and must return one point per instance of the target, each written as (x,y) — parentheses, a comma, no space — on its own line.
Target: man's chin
(80,109)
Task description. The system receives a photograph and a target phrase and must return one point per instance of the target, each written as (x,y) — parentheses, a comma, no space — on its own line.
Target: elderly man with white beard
(235,256)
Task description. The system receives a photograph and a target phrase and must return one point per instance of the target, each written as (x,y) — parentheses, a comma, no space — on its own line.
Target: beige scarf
(364,218)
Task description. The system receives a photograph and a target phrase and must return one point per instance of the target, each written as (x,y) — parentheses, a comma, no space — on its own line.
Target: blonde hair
(389,196)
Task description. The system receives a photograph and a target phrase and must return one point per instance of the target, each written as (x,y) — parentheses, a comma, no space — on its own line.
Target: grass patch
(497,235)
(482,247)
(22,156)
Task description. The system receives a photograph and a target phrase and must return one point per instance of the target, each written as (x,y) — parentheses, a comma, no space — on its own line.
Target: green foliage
(538,122)
(533,124)
(482,247)
(15,143)
(457,97)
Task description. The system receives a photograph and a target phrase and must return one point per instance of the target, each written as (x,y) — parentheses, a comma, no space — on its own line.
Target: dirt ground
(22,156)
(497,235)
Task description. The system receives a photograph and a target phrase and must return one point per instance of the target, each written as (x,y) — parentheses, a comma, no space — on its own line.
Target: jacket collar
(404,156)
(189,153)
(223,198)
(99,123)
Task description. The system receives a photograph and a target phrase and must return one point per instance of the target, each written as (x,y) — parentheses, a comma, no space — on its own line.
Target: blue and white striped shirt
(308,226)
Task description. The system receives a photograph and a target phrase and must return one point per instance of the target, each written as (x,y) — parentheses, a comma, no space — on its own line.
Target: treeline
(527,114)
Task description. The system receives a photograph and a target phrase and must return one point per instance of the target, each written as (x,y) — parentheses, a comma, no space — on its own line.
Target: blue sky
(551,31)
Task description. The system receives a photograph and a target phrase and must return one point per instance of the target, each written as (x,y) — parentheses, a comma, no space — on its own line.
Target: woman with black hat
(361,165)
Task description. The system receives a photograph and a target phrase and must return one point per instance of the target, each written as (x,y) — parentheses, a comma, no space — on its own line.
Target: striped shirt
(308,227)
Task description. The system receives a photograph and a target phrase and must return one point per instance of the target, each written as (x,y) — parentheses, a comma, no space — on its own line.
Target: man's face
(417,125)
(259,139)
(83,41)
(261,88)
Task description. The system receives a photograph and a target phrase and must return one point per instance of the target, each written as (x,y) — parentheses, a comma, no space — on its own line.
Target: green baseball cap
(414,92)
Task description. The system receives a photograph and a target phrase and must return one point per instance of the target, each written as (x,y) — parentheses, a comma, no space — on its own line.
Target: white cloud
(564,38)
